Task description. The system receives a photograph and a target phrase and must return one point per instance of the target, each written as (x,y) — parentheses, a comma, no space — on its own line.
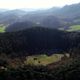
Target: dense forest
(33,40)
(38,40)
(68,70)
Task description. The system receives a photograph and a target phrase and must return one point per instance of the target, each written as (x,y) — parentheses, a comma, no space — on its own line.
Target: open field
(2,28)
(74,28)
(43,59)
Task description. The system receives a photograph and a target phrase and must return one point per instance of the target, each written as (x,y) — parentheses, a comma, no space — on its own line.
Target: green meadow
(74,28)
(2,28)
(43,59)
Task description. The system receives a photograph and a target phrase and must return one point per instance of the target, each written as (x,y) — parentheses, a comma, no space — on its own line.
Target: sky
(35,4)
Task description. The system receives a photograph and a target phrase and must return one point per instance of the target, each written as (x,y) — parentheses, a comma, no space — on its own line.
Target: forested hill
(38,40)
(33,41)
(18,26)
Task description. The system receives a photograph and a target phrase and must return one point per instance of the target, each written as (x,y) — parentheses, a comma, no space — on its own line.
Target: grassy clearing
(43,59)
(2,28)
(74,28)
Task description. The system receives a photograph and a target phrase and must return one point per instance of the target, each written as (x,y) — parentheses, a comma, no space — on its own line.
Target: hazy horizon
(35,4)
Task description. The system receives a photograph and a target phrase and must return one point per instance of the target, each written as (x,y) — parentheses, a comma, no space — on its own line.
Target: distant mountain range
(51,18)
(18,26)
